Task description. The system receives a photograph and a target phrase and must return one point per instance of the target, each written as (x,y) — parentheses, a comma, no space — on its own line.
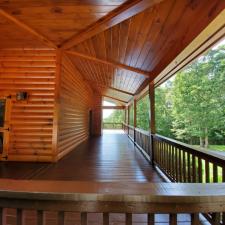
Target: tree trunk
(201,142)
(206,138)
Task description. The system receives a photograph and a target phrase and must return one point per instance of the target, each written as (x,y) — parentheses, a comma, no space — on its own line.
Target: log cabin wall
(75,101)
(97,115)
(31,120)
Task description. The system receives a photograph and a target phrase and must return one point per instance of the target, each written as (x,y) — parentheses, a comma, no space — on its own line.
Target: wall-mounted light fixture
(21,96)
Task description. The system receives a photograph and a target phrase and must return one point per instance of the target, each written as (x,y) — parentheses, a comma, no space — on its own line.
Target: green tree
(199,98)
(143,113)
(163,110)
(117,116)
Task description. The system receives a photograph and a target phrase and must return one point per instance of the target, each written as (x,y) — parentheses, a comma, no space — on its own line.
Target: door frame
(6,128)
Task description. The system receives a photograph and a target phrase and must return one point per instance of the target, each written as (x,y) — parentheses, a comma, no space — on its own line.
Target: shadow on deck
(111,157)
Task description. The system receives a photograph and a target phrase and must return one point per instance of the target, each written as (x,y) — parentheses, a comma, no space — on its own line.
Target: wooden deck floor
(111,157)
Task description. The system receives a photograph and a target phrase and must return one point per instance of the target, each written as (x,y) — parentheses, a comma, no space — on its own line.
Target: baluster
(184,167)
(105,218)
(83,218)
(173,219)
(169,159)
(189,167)
(199,170)
(176,164)
(215,173)
(216,219)
(61,218)
(40,217)
(193,169)
(163,157)
(1,216)
(166,158)
(19,217)
(207,174)
(128,218)
(180,165)
(223,180)
(151,219)
(195,219)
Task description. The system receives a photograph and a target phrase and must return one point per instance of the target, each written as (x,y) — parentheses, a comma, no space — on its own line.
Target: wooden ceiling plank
(115,98)
(118,15)
(114,64)
(27,28)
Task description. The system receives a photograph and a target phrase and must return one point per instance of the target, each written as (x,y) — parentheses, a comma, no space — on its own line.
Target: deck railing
(112,125)
(181,162)
(83,198)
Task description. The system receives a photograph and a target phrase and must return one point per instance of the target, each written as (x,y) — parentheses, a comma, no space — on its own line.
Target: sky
(222,42)
(107,112)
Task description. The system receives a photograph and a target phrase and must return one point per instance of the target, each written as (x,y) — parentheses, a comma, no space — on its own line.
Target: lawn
(220,148)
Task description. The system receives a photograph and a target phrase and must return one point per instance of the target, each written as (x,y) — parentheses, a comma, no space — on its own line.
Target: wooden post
(152,118)
(135,119)
(125,115)
(128,119)
(57,105)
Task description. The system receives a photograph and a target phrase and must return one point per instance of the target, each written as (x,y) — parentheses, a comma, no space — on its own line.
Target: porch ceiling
(122,44)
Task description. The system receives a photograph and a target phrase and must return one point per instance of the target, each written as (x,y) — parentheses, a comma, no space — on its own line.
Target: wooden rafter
(109,87)
(115,98)
(110,63)
(118,15)
(27,28)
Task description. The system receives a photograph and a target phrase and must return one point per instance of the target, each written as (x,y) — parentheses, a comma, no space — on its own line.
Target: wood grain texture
(31,120)
(75,101)
(59,20)
(127,10)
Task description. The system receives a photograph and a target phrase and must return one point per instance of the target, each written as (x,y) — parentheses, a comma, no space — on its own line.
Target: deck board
(111,157)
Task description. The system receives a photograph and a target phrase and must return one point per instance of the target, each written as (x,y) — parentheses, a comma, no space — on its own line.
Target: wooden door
(5,106)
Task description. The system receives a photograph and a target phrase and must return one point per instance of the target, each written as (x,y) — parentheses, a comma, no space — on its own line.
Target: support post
(135,119)
(152,119)
(128,119)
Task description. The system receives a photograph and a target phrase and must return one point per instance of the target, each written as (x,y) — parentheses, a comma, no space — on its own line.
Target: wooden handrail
(106,198)
(192,149)
(73,191)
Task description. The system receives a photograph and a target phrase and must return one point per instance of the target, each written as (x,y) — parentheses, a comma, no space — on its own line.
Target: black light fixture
(21,96)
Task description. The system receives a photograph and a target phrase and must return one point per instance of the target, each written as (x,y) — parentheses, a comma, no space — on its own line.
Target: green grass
(220,148)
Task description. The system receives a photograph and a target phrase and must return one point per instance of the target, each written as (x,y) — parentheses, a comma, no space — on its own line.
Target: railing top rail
(202,153)
(112,191)
(142,131)
(111,123)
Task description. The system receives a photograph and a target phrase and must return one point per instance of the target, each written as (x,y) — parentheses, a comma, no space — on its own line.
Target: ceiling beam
(123,12)
(115,98)
(109,87)
(110,63)
(116,89)
(113,107)
(22,25)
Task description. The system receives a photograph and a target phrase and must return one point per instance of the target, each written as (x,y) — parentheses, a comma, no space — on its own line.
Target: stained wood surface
(30,121)
(136,34)
(75,101)
(146,41)
(111,157)
(60,20)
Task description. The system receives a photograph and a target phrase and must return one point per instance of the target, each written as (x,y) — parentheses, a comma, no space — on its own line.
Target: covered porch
(111,157)
(59,61)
